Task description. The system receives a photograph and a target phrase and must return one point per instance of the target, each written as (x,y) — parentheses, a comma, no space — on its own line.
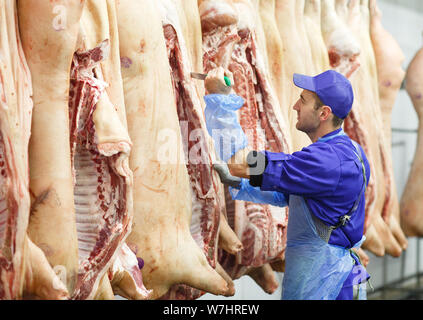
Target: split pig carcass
(368,95)
(80,180)
(411,200)
(49,48)
(344,56)
(390,75)
(297,59)
(24,270)
(104,166)
(161,233)
(232,44)
(182,31)
(352,54)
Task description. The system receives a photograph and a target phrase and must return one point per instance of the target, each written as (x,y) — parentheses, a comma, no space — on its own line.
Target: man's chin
(297,126)
(300,128)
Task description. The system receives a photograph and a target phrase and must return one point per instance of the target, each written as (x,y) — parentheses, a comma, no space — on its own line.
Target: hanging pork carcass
(232,44)
(162,194)
(344,31)
(297,59)
(49,45)
(276,57)
(24,269)
(390,74)
(366,81)
(81,189)
(313,25)
(411,200)
(100,158)
(181,31)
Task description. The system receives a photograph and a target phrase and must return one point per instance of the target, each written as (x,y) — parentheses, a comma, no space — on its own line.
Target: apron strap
(323,230)
(343,220)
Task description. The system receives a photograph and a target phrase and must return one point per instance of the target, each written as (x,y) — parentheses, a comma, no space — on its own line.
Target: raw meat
(228,240)
(101,146)
(24,269)
(161,232)
(390,75)
(297,59)
(261,228)
(344,51)
(204,181)
(15,124)
(263,275)
(312,21)
(411,200)
(264,41)
(275,59)
(342,47)
(49,47)
(369,96)
(126,277)
(100,188)
(105,290)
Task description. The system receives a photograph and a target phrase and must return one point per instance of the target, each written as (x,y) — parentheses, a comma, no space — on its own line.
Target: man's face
(307,116)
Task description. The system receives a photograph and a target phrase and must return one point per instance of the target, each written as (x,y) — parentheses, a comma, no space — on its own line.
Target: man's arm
(241,189)
(313,171)
(238,165)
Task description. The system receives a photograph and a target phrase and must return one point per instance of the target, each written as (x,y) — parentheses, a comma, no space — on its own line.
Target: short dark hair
(336,121)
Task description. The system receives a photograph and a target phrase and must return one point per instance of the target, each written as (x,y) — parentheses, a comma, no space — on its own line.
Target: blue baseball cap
(333,89)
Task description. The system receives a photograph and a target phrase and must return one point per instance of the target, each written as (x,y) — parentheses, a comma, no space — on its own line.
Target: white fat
(125,259)
(259,100)
(246,16)
(259,61)
(110,149)
(343,41)
(219,8)
(278,214)
(169,13)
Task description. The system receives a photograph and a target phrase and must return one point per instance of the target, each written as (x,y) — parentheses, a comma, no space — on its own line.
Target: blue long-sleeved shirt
(328,175)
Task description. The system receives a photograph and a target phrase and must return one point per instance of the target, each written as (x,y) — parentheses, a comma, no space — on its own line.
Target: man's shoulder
(326,148)
(321,153)
(344,145)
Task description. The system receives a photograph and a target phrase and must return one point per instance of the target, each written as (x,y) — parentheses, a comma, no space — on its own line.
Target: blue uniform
(328,175)
(326,178)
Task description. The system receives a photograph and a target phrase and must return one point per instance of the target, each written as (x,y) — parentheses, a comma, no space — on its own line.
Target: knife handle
(228,81)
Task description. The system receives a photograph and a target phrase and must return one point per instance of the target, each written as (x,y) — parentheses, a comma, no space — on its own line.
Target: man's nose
(296,105)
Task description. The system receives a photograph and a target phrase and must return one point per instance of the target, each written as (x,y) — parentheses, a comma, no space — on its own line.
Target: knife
(202,76)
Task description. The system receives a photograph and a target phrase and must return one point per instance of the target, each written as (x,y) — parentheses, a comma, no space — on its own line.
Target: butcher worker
(323,184)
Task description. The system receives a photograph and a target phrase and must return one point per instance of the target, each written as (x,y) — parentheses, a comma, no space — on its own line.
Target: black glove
(225,175)
(257,162)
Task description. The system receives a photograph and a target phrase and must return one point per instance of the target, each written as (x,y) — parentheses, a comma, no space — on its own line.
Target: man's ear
(325,113)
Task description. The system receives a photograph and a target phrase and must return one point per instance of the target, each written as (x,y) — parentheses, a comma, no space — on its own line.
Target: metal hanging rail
(399,130)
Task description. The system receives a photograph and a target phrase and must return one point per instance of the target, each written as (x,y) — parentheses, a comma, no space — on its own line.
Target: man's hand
(238,165)
(215,81)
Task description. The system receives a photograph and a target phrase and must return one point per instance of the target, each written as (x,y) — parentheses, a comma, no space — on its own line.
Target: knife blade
(200,76)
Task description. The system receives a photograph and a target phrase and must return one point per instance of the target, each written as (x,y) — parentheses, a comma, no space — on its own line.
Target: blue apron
(314,269)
